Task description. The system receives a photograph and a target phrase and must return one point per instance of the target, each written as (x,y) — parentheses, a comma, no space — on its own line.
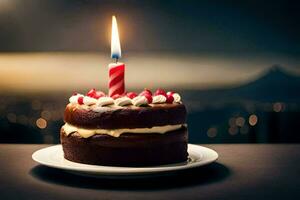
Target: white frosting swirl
(85,133)
(103,101)
(123,101)
(74,99)
(159,99)
(89,100)
(176,97)
(139,101)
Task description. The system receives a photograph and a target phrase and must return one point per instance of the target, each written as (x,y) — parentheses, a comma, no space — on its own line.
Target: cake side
(127,150)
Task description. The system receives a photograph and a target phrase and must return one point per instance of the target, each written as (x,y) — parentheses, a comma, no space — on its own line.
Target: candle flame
(115,40)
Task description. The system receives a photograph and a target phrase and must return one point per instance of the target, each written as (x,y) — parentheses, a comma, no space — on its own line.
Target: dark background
(260,38)
(81,25)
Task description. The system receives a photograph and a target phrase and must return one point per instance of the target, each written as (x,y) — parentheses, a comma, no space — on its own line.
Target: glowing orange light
(212,132)
(240,121)
(41,123)
(253,119)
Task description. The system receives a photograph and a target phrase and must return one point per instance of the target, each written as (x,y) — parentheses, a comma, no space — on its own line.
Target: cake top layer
(146,110)
(125,117)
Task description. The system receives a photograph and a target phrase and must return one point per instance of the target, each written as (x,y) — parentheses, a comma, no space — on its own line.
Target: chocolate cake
(126,130)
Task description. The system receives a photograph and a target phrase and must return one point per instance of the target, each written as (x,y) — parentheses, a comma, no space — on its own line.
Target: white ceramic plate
(53,157)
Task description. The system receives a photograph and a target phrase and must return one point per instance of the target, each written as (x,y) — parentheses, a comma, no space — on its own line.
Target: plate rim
(114,170)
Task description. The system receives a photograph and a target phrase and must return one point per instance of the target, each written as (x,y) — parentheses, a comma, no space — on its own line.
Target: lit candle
(117,69)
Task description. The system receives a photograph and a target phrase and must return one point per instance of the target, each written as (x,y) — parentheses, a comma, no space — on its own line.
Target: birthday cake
(125,130)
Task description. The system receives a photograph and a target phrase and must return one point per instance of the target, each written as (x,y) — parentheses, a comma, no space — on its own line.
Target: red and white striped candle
(116,79)
(116,70)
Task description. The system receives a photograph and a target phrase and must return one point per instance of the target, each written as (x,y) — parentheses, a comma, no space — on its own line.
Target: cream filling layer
(85,133)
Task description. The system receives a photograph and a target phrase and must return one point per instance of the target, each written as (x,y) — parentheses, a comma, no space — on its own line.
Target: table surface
(243,171)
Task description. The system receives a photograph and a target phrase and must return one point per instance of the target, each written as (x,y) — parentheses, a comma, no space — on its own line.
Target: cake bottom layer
(127,150)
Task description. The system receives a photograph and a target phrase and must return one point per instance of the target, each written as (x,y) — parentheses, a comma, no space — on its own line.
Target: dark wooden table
(243,171)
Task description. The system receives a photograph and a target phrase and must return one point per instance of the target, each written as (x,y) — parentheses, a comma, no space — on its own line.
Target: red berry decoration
(74,93)
(98,94)
(170,99)
(116,96)
(131,95)
(80,100)
(170,93)
(146,91)
(148,97)
(91,93)
(160,91)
